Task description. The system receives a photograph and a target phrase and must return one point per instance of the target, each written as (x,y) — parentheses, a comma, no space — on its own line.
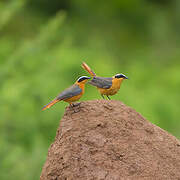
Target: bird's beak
(126,77)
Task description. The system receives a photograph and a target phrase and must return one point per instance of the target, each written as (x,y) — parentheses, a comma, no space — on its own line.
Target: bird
(71,94)
(106,85)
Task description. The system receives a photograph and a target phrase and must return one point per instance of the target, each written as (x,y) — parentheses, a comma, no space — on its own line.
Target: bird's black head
(118,76)
(83,78)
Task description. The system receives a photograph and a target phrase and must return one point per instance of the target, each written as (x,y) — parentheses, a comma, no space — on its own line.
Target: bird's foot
(75,107)
(77,104)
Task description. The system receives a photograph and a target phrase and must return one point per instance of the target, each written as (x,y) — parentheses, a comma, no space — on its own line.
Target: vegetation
(42,45)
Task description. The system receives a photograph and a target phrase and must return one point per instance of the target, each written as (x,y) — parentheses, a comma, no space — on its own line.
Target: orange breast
(116,83)
(74,98)
(77,97)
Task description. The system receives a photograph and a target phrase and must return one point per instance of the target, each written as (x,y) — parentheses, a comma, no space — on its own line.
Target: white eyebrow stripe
(82,77)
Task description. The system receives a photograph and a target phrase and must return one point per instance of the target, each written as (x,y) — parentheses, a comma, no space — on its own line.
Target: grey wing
(101,82)
(69,92)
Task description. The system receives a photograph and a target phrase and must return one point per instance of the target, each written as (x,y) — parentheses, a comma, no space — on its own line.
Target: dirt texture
(106,140)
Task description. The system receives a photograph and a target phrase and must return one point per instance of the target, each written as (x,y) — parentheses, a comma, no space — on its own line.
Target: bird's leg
(74,107)
(77,104)
(102,96)
(108,97)
(71,105)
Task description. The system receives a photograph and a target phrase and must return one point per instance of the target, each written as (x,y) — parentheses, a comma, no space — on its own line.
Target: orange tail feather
(50,104)
(88,69)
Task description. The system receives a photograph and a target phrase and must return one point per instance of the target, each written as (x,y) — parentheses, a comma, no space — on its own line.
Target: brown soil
(108,140)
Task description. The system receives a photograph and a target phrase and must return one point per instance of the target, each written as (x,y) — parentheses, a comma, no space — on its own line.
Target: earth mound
(106,140)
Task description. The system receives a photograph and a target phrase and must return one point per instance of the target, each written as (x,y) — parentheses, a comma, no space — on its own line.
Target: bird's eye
(82,78)
(118,76)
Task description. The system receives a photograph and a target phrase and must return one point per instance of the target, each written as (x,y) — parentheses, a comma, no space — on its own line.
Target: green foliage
(40,55)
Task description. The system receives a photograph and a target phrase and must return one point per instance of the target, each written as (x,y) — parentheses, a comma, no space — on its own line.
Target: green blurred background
(42,44)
